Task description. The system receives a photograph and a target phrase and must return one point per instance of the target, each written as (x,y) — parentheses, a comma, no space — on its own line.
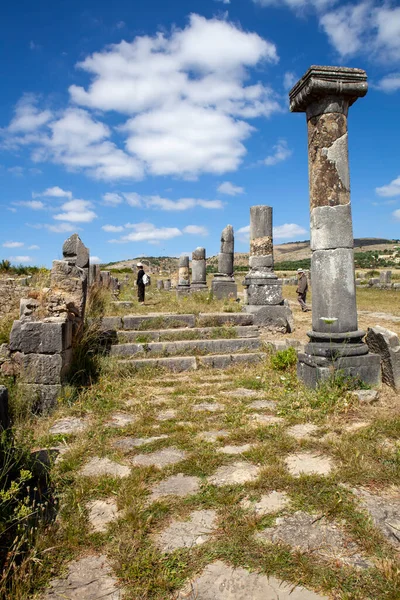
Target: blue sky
(149,126)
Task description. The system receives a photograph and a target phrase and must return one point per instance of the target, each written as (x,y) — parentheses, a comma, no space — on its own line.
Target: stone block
(312,370)
(105,278)
(27,306)
(256,262)
(71,281)
(216,319)
(198,287)
(40,337)
(260,221)
(160,284)
(333,283)
(270,293)
(277,318)
(75,252)
(136,321)
(385,343)
(176,364)
(331,227)
(225,263)
(4,414)
(224,287)
(111,323)
(182,290)
(49,369)
(42,398)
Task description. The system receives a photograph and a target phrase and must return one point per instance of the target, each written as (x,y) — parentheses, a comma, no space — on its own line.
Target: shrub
(284,359)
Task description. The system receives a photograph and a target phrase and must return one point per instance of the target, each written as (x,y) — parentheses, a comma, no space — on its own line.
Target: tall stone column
(183,287)
(264,289)
(199,271)
(223,284)
(325,95)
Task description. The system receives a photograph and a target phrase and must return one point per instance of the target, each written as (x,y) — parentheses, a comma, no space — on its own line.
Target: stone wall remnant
(386,344)
(223,284)
(75,252)
(183,287)
(325,95)
(264,290)
(199,271)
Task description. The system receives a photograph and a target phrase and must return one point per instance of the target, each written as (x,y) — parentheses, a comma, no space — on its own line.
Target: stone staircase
(185,342)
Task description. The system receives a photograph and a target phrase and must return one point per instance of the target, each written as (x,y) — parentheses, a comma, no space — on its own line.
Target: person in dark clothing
(140,284)
(302,287)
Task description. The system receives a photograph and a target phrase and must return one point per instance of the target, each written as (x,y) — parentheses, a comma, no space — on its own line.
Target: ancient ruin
(183,287)
(325,95)
(264,290)
(199,273)
(223,284)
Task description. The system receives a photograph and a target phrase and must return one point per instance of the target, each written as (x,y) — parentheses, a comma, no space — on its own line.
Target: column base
(313,369)
(198,287)
(182,290)
(224,286)
(276,318)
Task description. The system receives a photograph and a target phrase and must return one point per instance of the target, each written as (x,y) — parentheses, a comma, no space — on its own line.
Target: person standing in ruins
(302,287)
(140,283)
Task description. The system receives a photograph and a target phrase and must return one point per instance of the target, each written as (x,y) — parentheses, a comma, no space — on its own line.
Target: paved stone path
(186,534)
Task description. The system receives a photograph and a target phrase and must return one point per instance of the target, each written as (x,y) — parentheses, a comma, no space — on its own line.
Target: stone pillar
(167,285)
(183,287)
(385,278)
(325,95)
(264,289)
(199,274)
(75,253)
(223,284)
(160,284)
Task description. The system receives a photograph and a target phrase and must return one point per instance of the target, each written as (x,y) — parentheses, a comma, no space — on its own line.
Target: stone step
(157,321)
(201,333)
(191,363)
(181,347)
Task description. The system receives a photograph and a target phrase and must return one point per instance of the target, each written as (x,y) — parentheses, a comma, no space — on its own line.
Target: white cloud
(20,259)
(54,192)
(28,117)
(396,214)
(13,244)
(112,228)
(95,260)
(281,153)
(76,211)
(286,231)
(390,190)
(34,247)
(298,4)
(366,27)
(62,228)
(133,199)
(33,204)
(224,1)
(289,79)
(390,83)
(147,232)
(195,230)
(230,189)
(16,171)
(112,199)
(157,202)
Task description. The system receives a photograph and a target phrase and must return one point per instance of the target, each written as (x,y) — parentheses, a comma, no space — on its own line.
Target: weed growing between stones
(283,359)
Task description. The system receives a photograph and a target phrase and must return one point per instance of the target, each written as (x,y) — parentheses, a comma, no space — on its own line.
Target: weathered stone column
(325,95)
(167,285)
(264,289)
(199,273)
(183,287)
(160,284)
(223,284)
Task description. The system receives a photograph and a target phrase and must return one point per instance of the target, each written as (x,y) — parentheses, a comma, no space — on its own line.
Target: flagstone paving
(235,449)
(159,459)
(101,513)
(166,415)
(120,419)
(176,485)
(258,404)
(207,406)
(104,466)
(307,463)
(236,473)
(126,444)
(302,431)
(185,534)
(269,503)
(220,581)
(213,436)
(384,510)
(261,419)
(68,425)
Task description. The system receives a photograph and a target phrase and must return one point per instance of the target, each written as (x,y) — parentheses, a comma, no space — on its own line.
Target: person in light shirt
(302,287)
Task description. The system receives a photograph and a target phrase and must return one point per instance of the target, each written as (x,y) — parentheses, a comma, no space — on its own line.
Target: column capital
(327,89)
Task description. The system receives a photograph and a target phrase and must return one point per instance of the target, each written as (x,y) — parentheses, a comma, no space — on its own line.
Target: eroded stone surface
(176,485)
(235,449)
(166,415)
(185,534)
(219,581)
(307,463)
(311,533)
(260,419)
(126,444)
(355,426)
(213,436)
(257,404)
(366,396)
(242,393)
(207,406)
(236,473)
(269,503)
(101,513)
(121,419)
(384,510)
(89,578)
(159,459)
(302,431)
(104,466)
(68,425)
